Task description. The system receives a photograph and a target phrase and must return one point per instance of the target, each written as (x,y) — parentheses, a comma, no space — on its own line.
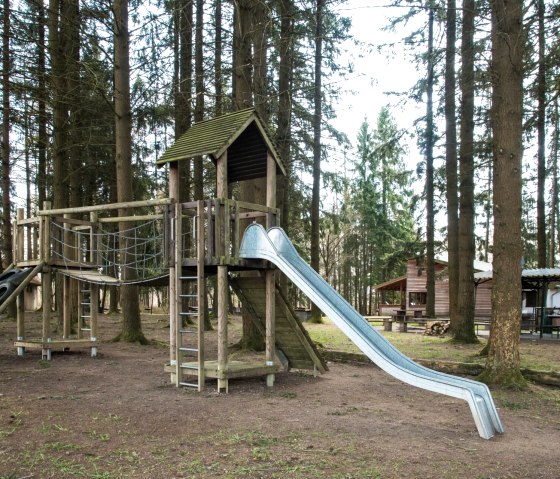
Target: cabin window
(416,298)
(530,299)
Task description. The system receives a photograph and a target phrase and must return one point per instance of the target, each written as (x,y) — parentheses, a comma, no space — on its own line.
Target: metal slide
(273,245)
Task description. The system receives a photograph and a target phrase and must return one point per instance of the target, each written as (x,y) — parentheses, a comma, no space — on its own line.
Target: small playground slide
(274,246)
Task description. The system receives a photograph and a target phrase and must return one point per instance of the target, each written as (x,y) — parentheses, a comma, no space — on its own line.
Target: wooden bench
(481,323)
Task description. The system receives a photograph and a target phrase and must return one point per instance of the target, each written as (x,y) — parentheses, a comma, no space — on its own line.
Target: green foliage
(374,231)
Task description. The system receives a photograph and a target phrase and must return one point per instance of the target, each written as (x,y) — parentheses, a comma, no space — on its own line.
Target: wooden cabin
(409,292)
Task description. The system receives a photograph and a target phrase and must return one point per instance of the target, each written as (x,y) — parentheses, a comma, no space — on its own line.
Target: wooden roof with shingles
(241,133)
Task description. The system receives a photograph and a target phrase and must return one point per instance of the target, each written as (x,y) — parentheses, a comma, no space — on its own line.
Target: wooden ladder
(191,300)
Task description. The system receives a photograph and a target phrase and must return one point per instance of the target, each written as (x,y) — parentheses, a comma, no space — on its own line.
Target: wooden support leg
(47,300)
(66,313)
(222,328)
(270,323)
(94,312)
(20,322)
(388,324)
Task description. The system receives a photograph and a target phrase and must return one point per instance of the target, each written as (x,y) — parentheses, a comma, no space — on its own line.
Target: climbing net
(136,255)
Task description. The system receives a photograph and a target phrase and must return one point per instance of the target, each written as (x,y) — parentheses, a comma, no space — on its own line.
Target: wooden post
(222,297)
(66,309)
(201,289)
(174,196)
(68,252)
(223,287)
(270,323)
(94,312)
(20,239)
(270,306)
(20,302)
(94,288)
(176,300)
(46,280)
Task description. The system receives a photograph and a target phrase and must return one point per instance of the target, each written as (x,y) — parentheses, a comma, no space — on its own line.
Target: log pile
(436,328)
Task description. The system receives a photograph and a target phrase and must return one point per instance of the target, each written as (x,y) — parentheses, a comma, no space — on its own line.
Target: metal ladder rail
(184,346)
(85,313)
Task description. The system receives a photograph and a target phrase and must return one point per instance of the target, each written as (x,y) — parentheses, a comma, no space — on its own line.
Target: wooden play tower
(174,242)
(241,150)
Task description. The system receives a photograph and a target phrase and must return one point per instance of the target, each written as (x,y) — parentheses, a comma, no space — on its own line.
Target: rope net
(136,255)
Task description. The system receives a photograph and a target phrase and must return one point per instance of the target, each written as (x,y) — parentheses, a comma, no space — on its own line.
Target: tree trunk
(252,191)
(199,89)
(42,142)
(317,117)
(541,129)
(554,192)
(463,327)
(7,246)
(218,75)
(283,130)
(131,325)
(502,363)
(451,161)
(430,254)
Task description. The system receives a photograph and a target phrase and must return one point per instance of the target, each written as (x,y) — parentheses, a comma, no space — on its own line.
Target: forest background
(95,91)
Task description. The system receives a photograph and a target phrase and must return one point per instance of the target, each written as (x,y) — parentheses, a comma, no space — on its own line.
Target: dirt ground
(118,416)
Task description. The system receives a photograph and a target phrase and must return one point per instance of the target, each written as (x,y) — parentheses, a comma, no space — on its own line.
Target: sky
(376,73)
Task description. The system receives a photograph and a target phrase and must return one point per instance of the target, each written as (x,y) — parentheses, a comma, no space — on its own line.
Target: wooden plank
(29,221)
(106,207)
(116,219)
(64,343)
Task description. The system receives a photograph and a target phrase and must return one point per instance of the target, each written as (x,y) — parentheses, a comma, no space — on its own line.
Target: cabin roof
(392,285)
(241,133)
(549,274)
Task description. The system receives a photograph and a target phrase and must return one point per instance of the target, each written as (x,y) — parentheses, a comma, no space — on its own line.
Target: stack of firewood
(436,328)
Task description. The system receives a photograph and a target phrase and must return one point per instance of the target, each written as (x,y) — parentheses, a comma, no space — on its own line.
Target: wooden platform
(59,344)
(291,337)
(235,369)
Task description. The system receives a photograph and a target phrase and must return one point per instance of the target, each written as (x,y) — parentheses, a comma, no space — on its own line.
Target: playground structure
(167,241)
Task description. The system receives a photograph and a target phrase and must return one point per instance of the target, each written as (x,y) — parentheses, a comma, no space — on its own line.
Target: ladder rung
(189,277)
(188,295)
(189,385)
(186,366)
(189,350)
(188,331)
(85,329)
(188,314)
(85,304)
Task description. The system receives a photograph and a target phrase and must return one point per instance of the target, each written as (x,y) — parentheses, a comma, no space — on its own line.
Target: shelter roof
(392,285)
(241,133)
(542,274)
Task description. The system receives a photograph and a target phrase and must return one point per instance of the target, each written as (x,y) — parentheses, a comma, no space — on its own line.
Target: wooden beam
(221,176)
(109,206)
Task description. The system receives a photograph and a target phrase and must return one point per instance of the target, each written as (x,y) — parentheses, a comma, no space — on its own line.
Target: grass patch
(535,355)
